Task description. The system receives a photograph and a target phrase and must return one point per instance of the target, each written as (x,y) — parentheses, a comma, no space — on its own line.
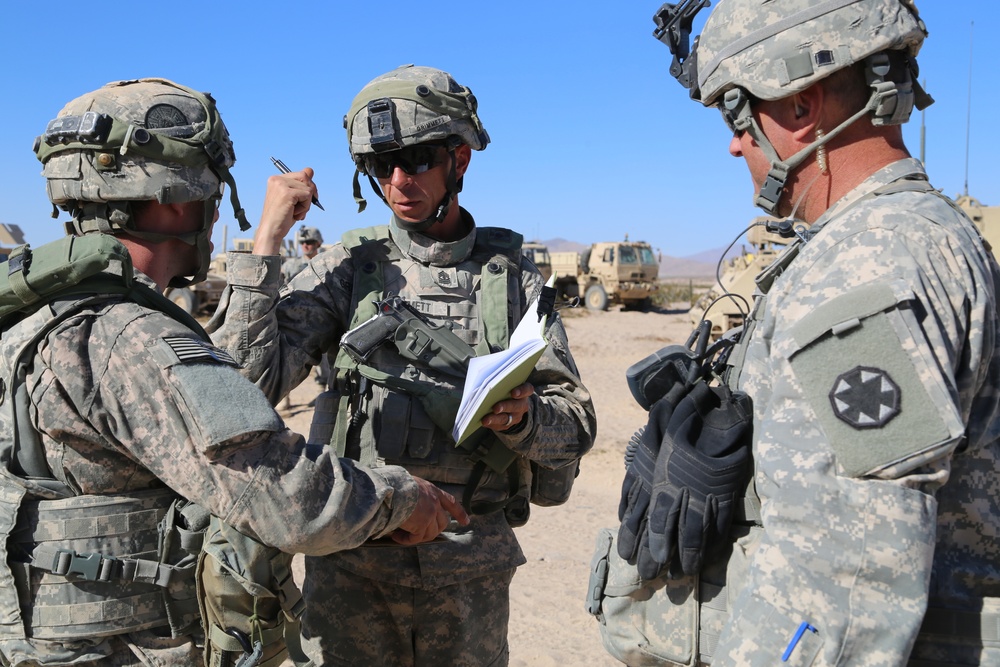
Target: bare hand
(433,512)
(287,201)
(511,411)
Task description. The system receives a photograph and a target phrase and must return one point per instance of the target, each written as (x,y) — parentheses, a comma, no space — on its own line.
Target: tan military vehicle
(737,278)
(539,254)
(200,298)
(11,236)
(986,218)
(623,272)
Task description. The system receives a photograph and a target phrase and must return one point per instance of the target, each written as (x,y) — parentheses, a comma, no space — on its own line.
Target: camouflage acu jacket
(875,377)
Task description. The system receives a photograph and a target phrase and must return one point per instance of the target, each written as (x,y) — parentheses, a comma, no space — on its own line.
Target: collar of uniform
(426,250)
(896,171)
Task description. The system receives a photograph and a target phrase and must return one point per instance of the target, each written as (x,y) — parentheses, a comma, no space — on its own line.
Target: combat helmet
(406,107)
(133,141)
(771,49)
(308,234)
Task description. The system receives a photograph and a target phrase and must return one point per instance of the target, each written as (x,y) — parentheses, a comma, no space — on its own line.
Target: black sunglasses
(412,160)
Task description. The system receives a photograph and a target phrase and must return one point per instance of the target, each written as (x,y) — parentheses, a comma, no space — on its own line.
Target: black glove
(700,473)
(636,490)
(640,461)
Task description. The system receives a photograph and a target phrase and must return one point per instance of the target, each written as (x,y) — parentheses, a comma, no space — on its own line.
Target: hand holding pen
(285,170)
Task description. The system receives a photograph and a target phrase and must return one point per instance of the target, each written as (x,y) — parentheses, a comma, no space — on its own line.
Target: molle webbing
(103,564)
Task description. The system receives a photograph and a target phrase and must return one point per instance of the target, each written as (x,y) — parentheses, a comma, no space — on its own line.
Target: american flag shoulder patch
(192,349)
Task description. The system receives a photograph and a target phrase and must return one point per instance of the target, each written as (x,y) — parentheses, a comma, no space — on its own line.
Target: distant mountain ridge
(700,265)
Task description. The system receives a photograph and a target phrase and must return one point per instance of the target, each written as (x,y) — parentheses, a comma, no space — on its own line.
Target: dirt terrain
(549,626)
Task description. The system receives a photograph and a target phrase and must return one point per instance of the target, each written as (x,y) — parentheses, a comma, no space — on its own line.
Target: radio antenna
(968,112)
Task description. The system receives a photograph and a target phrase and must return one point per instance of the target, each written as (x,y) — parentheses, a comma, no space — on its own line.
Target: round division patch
(865,397)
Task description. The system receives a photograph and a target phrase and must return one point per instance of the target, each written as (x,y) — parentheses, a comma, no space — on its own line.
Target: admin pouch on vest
(249,601)
(409,410)
(76,567)
(660,621)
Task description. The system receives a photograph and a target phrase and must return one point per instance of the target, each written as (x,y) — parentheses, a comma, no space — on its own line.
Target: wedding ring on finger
(510,420)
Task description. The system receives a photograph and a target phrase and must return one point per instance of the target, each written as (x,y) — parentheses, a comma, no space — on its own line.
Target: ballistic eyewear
(412,160)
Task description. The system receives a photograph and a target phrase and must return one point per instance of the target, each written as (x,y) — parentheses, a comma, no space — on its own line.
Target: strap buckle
(90,566)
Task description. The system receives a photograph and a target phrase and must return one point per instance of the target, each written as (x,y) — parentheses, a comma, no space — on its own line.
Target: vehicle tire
(596,298)
(184,298)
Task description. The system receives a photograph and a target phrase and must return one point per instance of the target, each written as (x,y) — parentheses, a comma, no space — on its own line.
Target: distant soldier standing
(310,240)
(870,356)
(118,413)
(412,132)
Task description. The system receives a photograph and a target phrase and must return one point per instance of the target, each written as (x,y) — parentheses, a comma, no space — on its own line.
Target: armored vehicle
(986,218)
(737,278)
(539,254)
(623,272)
(200,298)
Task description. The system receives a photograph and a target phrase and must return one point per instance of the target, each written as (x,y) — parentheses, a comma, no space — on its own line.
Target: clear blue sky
(592,139)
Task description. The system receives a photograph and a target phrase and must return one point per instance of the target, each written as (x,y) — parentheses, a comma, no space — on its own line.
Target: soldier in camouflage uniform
(870,354)
(131,410)
(309,239)
(412,132)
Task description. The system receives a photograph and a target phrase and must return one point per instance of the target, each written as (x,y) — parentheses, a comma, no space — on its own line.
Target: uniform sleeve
(176,406)
(561,425)
(277,334)
(862,370)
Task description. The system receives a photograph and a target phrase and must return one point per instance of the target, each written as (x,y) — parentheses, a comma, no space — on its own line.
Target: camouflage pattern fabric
(292,266)
(474,612)
(875,379)
(278,344)
(125,399)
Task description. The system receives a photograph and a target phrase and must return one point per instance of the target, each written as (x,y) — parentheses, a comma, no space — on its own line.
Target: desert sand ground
(549,626)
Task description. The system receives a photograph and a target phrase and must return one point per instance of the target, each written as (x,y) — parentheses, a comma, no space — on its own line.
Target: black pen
(284,170)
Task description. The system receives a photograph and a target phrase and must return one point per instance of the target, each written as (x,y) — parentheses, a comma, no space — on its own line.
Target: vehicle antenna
(968,112)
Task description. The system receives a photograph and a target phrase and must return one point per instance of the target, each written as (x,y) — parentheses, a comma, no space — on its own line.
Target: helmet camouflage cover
(776,48)
(145,139)
(772,49)
(412,105)
(308,234)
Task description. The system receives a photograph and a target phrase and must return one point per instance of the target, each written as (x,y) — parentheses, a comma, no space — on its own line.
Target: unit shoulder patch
(865,397)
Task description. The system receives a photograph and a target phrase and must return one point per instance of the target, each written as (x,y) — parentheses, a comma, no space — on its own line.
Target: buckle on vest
(92,566)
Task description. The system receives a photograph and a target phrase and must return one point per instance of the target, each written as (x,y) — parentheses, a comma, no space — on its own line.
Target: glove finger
(633,524)
(662,526)
(628,486)
(694,530)
(647,566)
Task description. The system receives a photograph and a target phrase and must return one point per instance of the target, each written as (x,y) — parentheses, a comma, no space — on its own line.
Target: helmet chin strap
(769,197)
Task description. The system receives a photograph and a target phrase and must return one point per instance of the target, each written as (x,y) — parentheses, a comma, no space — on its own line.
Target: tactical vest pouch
(642,623)
(659,621)
(249,602)
(34,275)
(552,487)
(92,566)
(324,418)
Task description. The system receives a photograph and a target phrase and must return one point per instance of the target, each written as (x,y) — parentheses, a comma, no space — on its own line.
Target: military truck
(621,272)
(737,278)
(539,254)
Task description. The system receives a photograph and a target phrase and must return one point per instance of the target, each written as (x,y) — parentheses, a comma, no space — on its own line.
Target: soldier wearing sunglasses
(411,134)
